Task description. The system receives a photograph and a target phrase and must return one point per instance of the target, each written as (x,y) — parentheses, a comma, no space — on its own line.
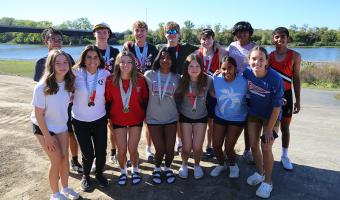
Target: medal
(126,110)
(160,92)
(193,99)
(91,94)
(141,56)
(125,96)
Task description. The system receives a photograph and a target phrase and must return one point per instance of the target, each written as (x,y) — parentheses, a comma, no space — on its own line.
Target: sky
(120,14)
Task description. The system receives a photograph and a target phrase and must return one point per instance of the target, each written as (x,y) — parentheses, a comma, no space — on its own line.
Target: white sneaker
(198,172)
(287,165)
(71,194)
(59,196)
(183,171)
(264,190)
(255,179)
(217,170)
(234,171)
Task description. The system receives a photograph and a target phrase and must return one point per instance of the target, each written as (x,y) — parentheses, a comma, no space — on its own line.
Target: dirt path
(314,150)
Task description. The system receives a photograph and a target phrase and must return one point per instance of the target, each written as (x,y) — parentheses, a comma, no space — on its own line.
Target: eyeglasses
(172,32)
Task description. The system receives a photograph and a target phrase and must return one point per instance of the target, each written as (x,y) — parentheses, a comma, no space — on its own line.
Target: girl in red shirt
(127,94)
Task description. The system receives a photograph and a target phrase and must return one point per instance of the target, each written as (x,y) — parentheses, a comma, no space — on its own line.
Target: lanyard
(141,57)
(208,65)
(91,94)
(125,96)
(193,99)
(107,55)
(177,50)
(161,94)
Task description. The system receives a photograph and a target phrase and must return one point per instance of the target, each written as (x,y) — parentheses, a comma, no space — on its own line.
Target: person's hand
(50,142)
(296,107)
(216,73)
(127,44)
(268,136)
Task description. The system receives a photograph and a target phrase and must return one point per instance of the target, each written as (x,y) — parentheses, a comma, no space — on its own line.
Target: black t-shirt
(150,58)
(40,67)
(113,53)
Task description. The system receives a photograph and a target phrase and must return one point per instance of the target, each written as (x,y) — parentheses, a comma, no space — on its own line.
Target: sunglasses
(172,32)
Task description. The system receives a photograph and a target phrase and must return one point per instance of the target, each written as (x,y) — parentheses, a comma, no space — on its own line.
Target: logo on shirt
(257,90)
(100,81)
(229,99)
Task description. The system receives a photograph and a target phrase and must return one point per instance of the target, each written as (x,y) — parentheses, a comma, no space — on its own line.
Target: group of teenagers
(179,91)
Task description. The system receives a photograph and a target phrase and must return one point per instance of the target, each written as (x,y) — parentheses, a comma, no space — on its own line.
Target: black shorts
(69,124)
(223,122)
(211,103)
(36,130)
(115,126)
(184,119)
(287,110)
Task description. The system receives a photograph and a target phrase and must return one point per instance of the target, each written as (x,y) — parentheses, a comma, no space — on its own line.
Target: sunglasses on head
(172,32)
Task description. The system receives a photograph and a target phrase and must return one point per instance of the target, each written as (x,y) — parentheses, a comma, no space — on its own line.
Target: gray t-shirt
(161,111)
(187,104)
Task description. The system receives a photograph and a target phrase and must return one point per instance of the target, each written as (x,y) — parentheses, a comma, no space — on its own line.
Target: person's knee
(266,148)
(197,148)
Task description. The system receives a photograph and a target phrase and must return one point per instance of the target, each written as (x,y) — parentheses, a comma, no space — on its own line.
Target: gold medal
(126,110)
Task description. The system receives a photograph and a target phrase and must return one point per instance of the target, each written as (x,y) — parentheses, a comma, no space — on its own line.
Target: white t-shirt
(55,106)
(80,110)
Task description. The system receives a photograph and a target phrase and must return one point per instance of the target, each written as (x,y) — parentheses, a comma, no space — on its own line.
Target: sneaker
(234,171)
(93,168)
(287,165)
(102,181)
(255,179)
(248,157)
(183,171)
(217,170)
(71,194)
(86,184)
(113,159)
(58,196)
(209,152)
(198,172)
(76,167)
(264,190)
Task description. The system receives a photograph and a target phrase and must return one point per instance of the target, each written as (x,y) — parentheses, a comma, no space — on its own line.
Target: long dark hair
(156,65)
(183,86)
(81,62)
(116,70)
(49,75)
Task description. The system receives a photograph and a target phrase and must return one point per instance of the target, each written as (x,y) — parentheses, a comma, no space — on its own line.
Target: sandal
(170,177)
(156,177)
(136,178)
(122,179)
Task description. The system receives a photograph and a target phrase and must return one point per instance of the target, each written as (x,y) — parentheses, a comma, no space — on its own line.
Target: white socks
(285,152)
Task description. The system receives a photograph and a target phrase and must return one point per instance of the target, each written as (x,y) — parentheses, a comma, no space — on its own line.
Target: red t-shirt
(139,97)
(284,68)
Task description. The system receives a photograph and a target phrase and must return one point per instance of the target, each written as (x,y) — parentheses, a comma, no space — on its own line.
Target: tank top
(284,68)
(215,63)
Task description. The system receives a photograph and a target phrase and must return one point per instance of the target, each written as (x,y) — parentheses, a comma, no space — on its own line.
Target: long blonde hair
(49,74)
(117,73)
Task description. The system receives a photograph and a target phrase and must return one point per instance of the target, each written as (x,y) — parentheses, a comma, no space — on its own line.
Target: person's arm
(268,130)
(126,45)
(108,96)
(38,70)
(296,81)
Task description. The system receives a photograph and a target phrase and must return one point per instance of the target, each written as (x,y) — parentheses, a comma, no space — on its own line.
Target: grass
(337,96)
(320,74)
(17,67)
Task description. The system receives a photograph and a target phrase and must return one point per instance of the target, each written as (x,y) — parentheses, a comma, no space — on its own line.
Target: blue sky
(120,14)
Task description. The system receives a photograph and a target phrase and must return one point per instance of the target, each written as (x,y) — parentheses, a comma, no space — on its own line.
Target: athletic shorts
(223,122)
(211,103)
(264,122)
(184,119)
(37,131)
(115,126)
(287,110)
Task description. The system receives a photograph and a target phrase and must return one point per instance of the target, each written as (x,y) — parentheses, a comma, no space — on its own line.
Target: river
(34,52)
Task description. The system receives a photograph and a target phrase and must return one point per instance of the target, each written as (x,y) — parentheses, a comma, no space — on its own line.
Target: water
(34,52)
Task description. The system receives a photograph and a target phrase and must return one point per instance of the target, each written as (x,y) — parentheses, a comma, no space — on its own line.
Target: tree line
(299,36)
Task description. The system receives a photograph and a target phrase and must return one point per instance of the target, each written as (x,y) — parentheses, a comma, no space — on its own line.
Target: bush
(321,74)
